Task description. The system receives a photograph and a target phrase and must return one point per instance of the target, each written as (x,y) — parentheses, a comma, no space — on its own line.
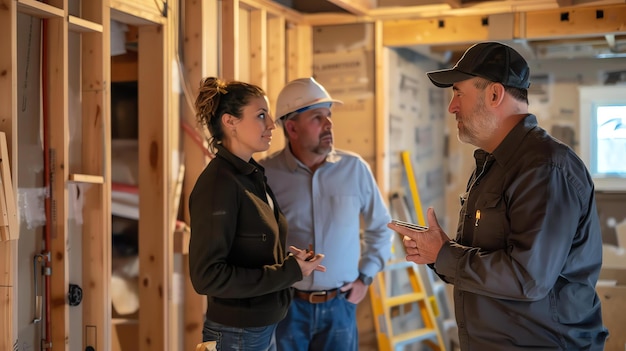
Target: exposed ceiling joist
(547,24)
(575,22)
(357,7)
(540,28)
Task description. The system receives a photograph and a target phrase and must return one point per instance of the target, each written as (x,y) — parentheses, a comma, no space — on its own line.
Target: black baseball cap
(490,60)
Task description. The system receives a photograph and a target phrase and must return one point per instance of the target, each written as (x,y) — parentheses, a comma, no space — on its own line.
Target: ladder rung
(404,299)
(413,336)
(398,264)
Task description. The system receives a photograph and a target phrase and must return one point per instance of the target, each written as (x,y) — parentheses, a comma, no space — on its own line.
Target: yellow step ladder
(391,304)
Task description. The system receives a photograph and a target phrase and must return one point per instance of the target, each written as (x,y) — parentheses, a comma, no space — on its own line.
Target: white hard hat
(300,95)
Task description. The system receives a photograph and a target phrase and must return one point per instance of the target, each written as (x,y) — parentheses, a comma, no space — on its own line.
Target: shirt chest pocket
(344,210)
(491,222)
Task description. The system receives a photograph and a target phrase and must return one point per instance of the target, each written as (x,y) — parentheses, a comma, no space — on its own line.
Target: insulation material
(118,38)
(76,194)
(31,204)
(32,208)
(124,285)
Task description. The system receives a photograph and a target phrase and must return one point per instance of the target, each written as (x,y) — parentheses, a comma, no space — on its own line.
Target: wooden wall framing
(8,109)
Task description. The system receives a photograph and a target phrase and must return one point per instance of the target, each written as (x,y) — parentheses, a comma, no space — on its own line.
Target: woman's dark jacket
(237,254)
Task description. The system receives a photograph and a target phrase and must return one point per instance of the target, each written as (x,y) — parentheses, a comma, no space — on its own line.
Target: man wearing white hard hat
(329,197)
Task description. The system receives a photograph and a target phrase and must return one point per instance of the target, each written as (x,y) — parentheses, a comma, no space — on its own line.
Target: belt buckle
(317,293)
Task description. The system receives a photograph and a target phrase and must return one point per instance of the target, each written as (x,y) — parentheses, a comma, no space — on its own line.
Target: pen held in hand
(310,253)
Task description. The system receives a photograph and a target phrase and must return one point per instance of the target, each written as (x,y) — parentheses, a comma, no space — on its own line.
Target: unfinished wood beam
(324,19)
(381,122)
(565,3)
(574,22)
(57,110)
(435,31)
(155,237)
(258,48)
(543,24)
(199,61)
(96,170)
(137,12)
(299,51)
(399,4)
(454,9)
(8,80)
(77,24)
(229,67)
(8,307)
(357,7)
(39,9)
(276,69)
(174,171)
(273,9)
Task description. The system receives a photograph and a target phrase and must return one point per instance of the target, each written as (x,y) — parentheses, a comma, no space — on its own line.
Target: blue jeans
(240,339)
(328,326)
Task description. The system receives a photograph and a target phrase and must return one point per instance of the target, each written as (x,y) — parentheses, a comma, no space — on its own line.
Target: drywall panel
(343,61)
(416,124)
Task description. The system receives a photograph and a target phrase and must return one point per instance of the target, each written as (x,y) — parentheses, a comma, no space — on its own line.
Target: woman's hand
(308,260)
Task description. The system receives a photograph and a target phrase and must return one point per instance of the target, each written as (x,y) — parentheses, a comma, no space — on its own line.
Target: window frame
(591,97)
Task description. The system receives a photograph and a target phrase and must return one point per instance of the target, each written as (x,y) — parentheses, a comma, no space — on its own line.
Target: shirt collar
(241,165)
(505,151)
(293,162)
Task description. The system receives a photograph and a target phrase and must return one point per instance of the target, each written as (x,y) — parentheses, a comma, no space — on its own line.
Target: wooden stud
(276,55)
(244,45)
(258,48)
(8,79)
(8,308)
(276,68)
(155,239)
(96,168)
(381,128)
(8,201)
(230,37)
(174,171)
(8,126)
(299,53)
(57,92)
(200,60)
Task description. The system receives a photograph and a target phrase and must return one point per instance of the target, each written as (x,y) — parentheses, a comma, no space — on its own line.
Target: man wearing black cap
(528,248)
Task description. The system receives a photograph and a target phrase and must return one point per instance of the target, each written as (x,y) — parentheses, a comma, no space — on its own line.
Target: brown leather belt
(316,296)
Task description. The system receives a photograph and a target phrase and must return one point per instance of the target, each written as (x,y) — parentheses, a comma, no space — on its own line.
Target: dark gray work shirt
(528,249)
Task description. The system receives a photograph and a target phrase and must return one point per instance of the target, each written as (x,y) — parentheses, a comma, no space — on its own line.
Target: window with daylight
(603,135)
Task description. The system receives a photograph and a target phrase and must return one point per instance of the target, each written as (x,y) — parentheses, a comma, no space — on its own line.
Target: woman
(237,254)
